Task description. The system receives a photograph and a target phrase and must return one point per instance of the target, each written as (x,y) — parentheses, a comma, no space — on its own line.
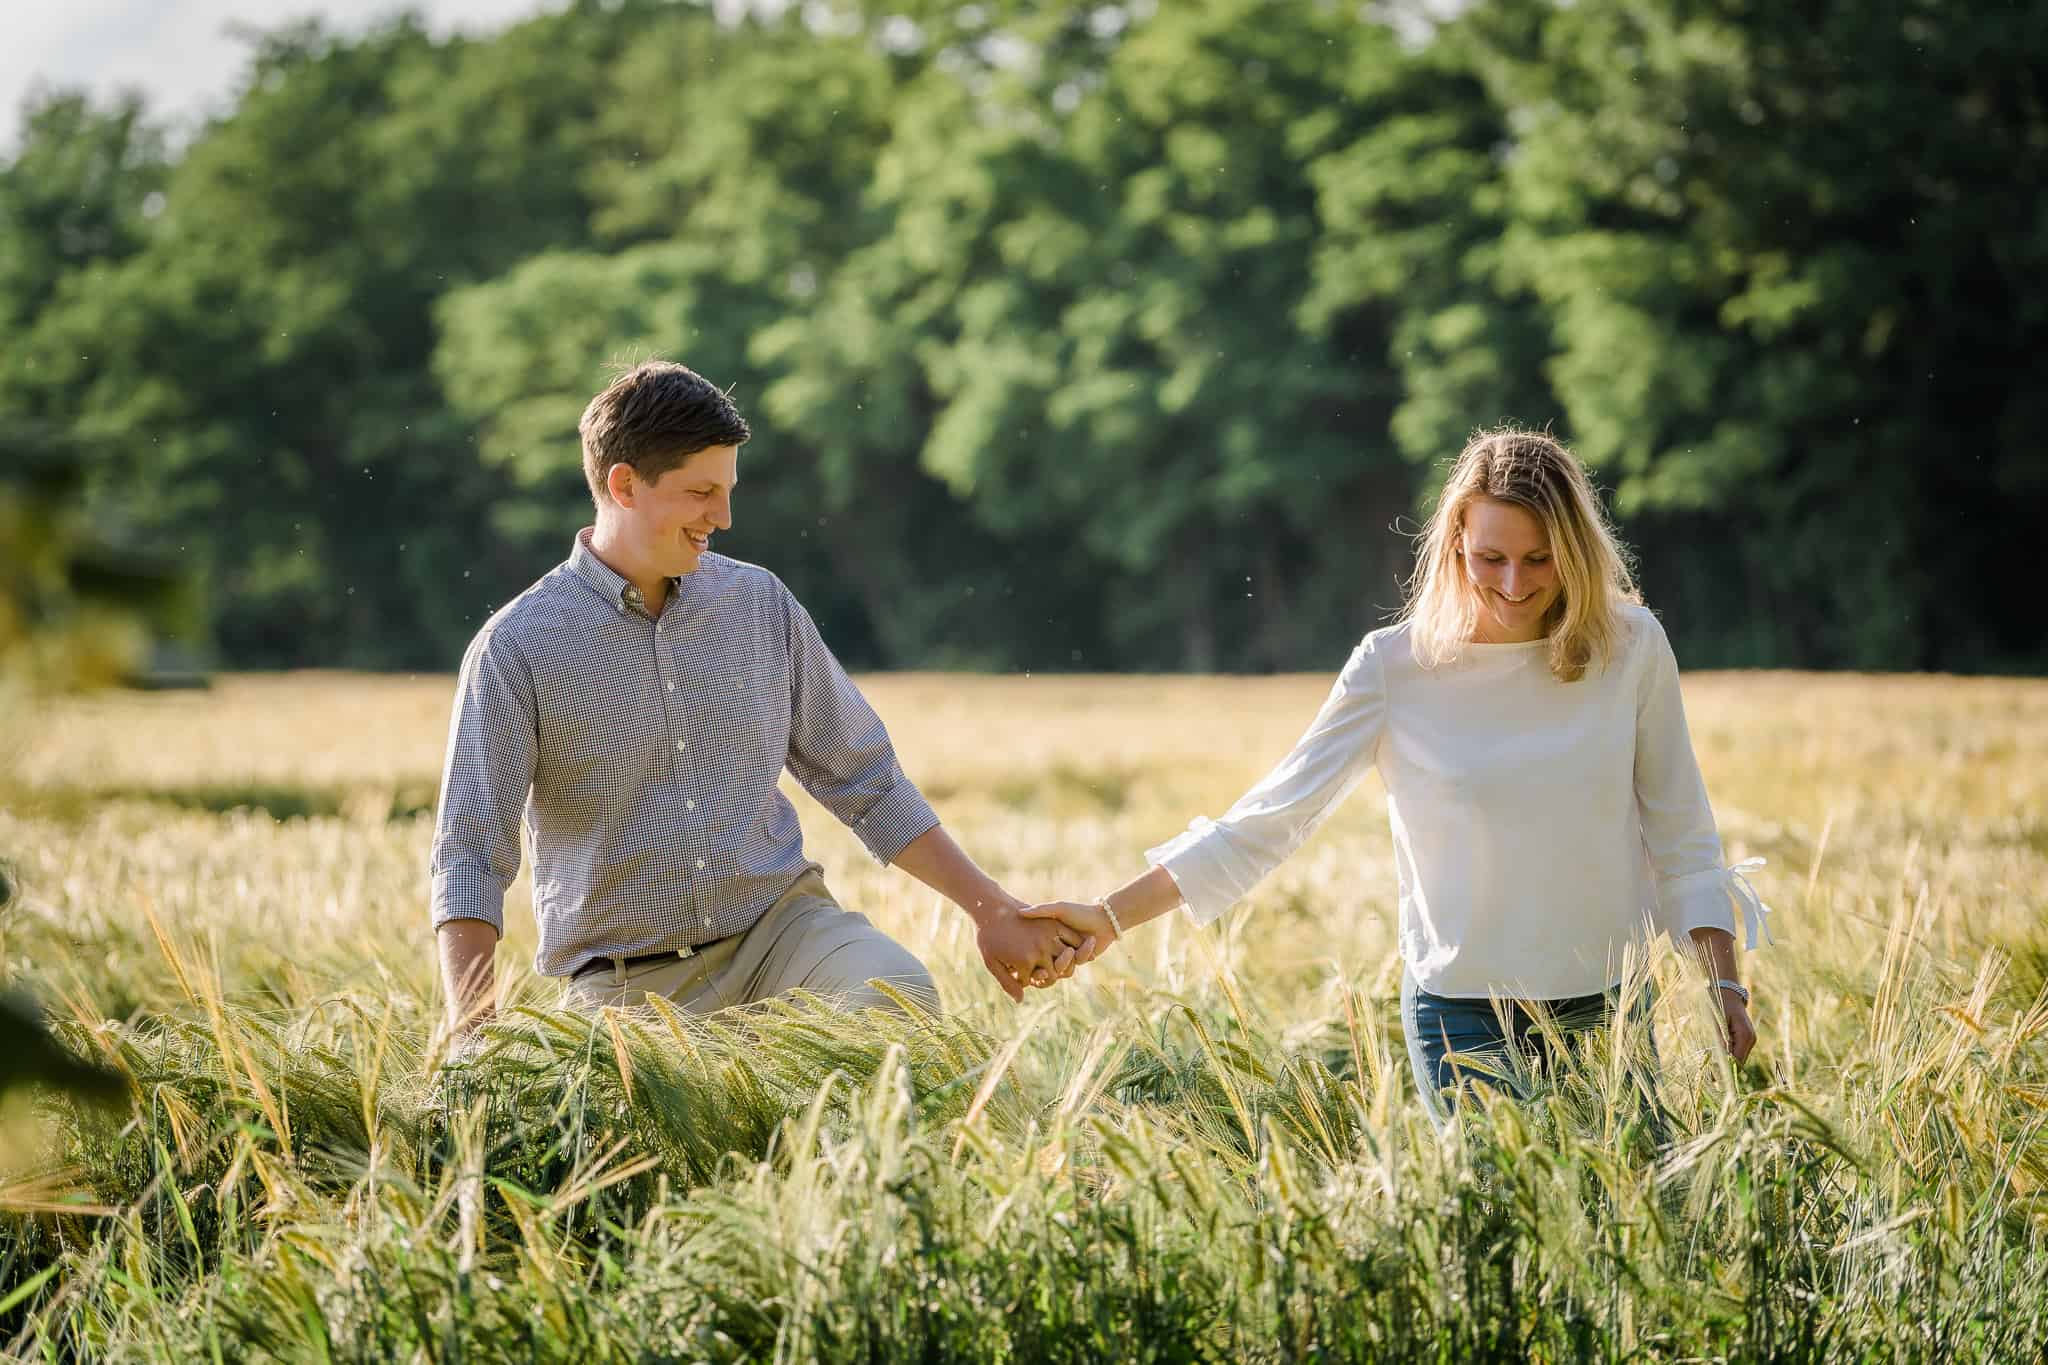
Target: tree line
(1129,336)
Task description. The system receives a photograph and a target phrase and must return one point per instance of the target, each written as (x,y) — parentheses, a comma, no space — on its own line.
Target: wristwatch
(1741,991)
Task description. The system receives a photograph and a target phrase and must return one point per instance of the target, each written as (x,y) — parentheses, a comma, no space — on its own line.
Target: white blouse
(1539,827)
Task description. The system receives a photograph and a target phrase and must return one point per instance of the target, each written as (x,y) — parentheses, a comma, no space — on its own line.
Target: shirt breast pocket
(750,706)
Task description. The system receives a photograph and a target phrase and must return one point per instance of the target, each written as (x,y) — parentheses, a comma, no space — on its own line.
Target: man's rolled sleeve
(840,751)
(466,891)
(485,778)
(901,815)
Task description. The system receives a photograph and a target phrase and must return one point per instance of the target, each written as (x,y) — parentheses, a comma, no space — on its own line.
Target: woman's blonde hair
(1531,470)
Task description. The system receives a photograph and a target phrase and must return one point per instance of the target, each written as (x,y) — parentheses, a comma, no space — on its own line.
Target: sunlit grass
(1208,1147)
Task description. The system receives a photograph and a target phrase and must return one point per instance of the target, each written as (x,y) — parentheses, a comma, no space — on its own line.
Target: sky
(182,53)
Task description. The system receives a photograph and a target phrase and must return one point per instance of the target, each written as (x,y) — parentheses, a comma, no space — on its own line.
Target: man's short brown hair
(654,417)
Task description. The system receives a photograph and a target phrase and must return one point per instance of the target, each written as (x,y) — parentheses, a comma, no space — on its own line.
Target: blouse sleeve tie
(1749,902)
(1700,898)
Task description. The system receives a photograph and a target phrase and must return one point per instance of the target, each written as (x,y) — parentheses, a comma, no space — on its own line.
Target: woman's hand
(1736,1030)
(1715,949)
(1083,920)
(1145,897)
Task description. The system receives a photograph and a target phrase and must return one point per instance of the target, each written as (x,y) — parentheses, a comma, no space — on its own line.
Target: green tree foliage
(1792,259)
(254,381)
(738,159)
(1096,282)
(1413,210)
(1106,336)
(79,191)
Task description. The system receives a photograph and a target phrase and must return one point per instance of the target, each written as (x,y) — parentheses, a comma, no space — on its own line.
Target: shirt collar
(609,583)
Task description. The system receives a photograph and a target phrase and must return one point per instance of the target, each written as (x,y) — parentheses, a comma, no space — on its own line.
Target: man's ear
(621,483)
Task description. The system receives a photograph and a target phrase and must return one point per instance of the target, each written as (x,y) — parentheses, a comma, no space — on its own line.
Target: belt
(630,963)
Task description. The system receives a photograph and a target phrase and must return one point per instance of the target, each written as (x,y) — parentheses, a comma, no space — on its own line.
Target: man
(637,706)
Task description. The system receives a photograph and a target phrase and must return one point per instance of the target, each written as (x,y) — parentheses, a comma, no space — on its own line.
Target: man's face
(671,519)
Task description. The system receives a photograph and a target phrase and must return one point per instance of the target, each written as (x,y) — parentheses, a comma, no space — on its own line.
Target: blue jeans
(1506,1054)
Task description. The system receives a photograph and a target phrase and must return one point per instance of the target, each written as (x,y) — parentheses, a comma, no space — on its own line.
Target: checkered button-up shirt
(643,753)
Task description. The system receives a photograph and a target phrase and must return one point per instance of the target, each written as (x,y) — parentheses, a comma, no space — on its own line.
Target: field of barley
(1206,1147)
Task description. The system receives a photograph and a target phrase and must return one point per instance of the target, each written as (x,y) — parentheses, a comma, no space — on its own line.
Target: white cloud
(181,53)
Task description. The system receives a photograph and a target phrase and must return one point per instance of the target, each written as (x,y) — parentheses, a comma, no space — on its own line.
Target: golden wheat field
(1865,794)
(223,893)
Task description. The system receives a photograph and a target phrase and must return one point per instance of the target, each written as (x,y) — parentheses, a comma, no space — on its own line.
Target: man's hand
(1016,952)
(1020,952)
(1737,1032)
(1083,920)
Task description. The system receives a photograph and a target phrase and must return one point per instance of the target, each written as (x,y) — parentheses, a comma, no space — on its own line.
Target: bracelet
(1114,922)
(1741,991)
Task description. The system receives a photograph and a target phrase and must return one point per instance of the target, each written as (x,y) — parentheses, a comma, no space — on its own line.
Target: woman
(1547,810)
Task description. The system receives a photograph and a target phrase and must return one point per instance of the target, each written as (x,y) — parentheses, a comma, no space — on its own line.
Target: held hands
(1085,929)
(1020,951)
(1084,921)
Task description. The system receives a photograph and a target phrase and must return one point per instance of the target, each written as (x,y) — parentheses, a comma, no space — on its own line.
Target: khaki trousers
(805,940)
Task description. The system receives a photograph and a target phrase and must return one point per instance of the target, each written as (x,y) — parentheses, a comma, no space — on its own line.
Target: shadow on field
(74,802)
(1061,787)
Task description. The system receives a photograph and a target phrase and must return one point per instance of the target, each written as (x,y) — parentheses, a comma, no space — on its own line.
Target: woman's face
(1507,559)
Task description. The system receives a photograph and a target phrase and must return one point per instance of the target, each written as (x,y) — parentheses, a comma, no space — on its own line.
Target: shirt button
(682,744)
(671,684)
(700,864)
(689,805)
(707,921)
